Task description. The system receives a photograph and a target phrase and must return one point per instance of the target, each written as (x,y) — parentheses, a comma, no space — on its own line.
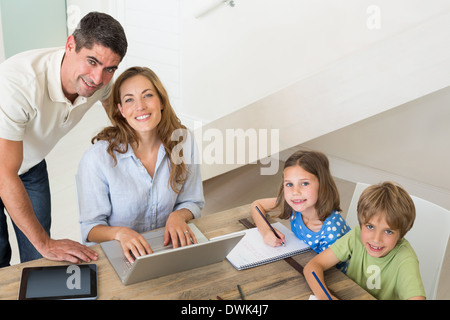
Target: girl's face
(140,104)
(377,237)
(301,189)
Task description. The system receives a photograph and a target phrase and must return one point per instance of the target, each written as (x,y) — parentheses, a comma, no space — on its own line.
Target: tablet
(68,282)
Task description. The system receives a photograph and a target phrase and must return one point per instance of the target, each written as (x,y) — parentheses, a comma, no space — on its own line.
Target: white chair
(429,237)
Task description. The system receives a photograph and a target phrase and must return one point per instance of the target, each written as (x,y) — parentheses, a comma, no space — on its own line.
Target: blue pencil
(321,285)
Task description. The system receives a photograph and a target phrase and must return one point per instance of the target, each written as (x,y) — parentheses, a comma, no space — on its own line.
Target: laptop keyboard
(127,264)
(156,240)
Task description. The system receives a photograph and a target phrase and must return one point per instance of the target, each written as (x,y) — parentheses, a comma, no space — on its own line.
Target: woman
(132,180)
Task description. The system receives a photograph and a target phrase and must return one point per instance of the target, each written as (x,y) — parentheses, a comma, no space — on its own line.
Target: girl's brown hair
(317,164)
(121,134)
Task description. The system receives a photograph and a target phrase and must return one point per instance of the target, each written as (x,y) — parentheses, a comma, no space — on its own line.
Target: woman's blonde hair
(391,200)
(121,134)
(317,164)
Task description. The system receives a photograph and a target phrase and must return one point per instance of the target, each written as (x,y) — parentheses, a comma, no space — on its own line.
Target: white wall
(79,8)
(408,144)
(153,29)
(389,73)
(236,56)
(306,69)
(346,84)
(2,47)
(154,35)
(232,57)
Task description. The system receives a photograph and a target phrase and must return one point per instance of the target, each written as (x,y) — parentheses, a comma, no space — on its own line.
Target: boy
(381,261)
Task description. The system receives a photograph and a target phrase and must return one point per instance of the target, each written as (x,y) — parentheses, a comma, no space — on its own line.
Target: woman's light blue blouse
(126,195)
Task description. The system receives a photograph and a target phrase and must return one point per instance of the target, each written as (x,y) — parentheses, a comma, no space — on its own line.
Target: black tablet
(76,282)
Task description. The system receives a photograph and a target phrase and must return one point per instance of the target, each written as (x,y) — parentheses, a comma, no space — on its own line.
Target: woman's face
(140,104)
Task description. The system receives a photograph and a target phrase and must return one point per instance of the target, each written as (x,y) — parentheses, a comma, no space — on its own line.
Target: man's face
(85,72)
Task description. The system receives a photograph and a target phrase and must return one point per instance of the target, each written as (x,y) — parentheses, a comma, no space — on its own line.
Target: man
(43,94)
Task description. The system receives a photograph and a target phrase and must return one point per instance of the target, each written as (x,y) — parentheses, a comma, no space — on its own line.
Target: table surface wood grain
(274,281)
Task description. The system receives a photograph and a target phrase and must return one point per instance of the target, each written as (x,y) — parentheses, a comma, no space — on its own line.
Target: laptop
(166,260)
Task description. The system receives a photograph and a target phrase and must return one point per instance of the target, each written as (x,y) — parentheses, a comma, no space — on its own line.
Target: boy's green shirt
(394,276)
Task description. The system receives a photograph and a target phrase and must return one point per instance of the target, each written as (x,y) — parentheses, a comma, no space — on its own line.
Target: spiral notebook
(251,251)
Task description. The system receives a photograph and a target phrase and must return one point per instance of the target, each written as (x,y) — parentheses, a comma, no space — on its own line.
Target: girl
(309,197)
(129,181)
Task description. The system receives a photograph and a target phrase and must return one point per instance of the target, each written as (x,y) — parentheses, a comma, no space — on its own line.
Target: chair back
(428,237)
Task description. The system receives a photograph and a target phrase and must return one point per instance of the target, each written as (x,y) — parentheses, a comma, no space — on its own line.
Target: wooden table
(274,281)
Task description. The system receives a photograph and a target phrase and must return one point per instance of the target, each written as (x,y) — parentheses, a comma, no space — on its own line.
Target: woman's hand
(177,229)
(132,243)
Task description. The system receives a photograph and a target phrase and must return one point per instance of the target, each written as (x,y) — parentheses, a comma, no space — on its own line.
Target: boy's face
(377,237)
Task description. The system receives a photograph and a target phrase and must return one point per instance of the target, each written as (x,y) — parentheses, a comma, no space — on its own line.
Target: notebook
(166,260)
(251,251)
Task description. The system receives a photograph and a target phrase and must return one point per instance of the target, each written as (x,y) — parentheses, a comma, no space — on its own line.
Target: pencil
(268,223)
(240,292)
(321,285)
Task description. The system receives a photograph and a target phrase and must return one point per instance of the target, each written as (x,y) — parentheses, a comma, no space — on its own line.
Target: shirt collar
(55,91)
(130,153)
(54,77)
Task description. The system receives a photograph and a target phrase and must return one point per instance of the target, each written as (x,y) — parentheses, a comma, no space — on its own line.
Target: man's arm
(18,204)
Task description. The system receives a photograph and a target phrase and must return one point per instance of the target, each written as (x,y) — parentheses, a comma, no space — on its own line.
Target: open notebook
(251,251)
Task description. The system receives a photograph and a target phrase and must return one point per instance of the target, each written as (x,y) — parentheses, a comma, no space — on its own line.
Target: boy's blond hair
(391,200)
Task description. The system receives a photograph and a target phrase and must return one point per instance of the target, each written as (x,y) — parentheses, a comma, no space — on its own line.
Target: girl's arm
(266,205)
(323,261)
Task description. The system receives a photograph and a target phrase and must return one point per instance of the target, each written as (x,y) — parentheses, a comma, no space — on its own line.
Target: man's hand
(67,250)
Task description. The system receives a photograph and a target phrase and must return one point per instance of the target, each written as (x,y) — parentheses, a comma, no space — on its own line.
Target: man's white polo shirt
(33,108)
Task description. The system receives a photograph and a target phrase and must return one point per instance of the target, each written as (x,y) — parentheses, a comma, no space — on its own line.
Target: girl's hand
(133,243)
(271,240)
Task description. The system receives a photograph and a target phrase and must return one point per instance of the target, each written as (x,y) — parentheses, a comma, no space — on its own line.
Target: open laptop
(166,260)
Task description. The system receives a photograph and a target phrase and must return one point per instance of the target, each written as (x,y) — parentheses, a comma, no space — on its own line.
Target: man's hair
(390,200)
(101,28)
